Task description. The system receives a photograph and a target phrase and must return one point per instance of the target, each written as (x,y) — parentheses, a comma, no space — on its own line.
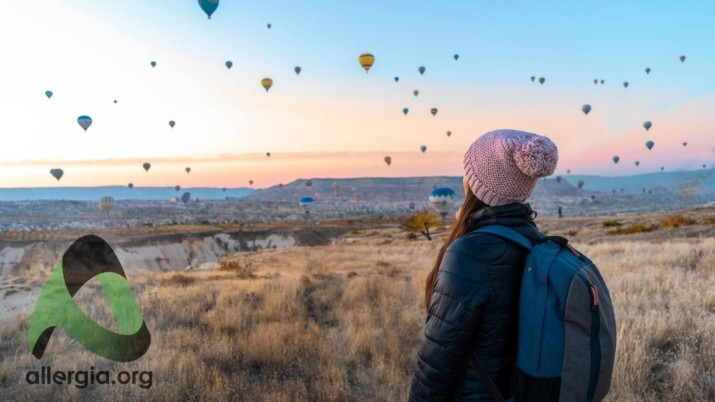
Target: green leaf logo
(86,258)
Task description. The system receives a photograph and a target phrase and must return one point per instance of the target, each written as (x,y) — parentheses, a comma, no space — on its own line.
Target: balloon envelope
(541,80)
(366,61)
(185,197)
(130,185)
(188,169)
(638,163)
(579,184)
(423,148)
(57,173)
(647,125)
(172,123)
(267,83)
(397,79)
(456,57)
(442,199)
(153,63)
(84,122)
(533,78)
(106,203)
(586,108)
(421,70)
(229,64)
(649,144)
(405,111)
(209,6)
(308,183)
(297,70)
(433,111)
(415,92)
(388,160)
(449,133)
(682,59)
(146,166)
(177,187)
(48,94)
(616,159)
(625,84)
(647,70)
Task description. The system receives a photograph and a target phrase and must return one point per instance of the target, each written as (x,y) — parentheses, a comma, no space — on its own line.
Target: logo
(88,257)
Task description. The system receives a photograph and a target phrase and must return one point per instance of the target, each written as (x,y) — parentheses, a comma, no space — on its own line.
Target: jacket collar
(515,213)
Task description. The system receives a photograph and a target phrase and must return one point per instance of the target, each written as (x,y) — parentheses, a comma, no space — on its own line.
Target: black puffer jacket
(474,305)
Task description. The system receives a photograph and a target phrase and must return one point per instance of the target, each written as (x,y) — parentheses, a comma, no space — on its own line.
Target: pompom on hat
(503,166)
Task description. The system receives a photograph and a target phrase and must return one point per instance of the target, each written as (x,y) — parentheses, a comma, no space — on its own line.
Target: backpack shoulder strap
(507,233)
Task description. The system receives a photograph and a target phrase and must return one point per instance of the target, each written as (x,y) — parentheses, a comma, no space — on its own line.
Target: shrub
(609,223)
(634,228)
(676,221)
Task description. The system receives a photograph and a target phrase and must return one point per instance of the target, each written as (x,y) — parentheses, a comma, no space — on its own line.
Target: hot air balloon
(268,26)
(223,189)
(625,84)
(456,57)
(661,168)
(297,70)
(388,160)
(188,169)
(579,184)
(106,203)
(309,183)
(411,205)
(586,108)
(638,163)
(647,70)
(130,185)
(647,125)
(84,122)
(146,166)
(250,182)
(306,203)
(616,159)
(704,165)
(209,6)
(558,179)
(682,59)
(405,111)
(542,80)
(685,144)
(449,133)
(397,79)
(172,123)
(172,200)
(366,61)
(115,101)
(532,78)
(433,111)
(268,154)
(229,64)
(177,187)
(48,94)
(568,171)
(415,92)
(602,81)
(423,148)
(442,199)
(421,70)
(267,83)
(185,198)
(57,173)
(153,64)
(649,145)
(595,81)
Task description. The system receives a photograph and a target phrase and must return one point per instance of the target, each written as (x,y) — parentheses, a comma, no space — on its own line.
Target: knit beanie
(502,166)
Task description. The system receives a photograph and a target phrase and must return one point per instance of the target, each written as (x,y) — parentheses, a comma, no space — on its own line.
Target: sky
(334,119)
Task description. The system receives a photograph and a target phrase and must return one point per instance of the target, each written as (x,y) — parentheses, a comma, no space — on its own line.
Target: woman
(472,292)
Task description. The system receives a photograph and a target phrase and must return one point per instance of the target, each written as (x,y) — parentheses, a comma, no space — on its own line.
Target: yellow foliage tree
(420,222)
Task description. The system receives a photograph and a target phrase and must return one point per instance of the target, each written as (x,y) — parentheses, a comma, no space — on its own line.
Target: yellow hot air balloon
(267,83)
(366,61)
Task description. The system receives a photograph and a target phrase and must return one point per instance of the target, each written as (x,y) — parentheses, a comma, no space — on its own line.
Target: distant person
(560,214)
(472,292)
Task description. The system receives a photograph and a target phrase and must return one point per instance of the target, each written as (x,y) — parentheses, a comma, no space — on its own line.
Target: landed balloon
(229,64)
(188,169)
(388,160)
(616,159)
(442,199)
(209,6)
(649,145)
(106,203)
(433,111)
(185,198)
(172,123)
(625,84)
(57,173)
(542,80)
(405,111)
(297,70)
(267,83)
(48,94)
(130,185)
(422,70)
(177,187)
(84,122)
(366,61)
(586,108)
(647,70)
(146,166)
(647,125)
(423,148)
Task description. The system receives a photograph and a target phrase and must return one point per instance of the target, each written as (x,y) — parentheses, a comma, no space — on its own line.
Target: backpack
(567,328)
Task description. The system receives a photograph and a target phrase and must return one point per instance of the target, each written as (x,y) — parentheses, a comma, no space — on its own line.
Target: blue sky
(91,52)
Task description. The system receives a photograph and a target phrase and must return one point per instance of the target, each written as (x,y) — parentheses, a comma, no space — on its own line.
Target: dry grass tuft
(611,223)
(676,221)
(634,228)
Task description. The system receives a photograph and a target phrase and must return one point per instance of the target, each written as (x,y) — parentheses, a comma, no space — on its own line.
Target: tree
(420,222)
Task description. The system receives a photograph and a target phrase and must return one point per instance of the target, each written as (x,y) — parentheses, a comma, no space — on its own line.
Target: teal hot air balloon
(625,84)
(405,111)
(456,57)
(48,94)
(306,203)
(649,145)
(297,70)
(84,122)
(422,70)
(423,148)
(229,64)
(209,6)
(57,173)
(146,166)
(647,125)
(397,79)
(542,80)
(153,64)
(586,108)
(442,199)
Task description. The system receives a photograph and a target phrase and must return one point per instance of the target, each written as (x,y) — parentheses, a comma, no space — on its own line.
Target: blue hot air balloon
(84,122)
(405,111)
(48,94)
(153,63)
(297,70)
(442,199)
(229,64)
(456,57)
(172,123)
(397,79)
(306,202)
(649,144)
(586,108)
(209,6)
(57,173)
(421,70)
(647,125)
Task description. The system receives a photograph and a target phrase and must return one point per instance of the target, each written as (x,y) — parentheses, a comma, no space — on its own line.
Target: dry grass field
(341,322)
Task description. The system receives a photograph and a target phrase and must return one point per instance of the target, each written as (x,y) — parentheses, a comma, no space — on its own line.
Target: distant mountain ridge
(118,192)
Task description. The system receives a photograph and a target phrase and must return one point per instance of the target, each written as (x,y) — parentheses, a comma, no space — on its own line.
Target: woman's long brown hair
(464,224)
